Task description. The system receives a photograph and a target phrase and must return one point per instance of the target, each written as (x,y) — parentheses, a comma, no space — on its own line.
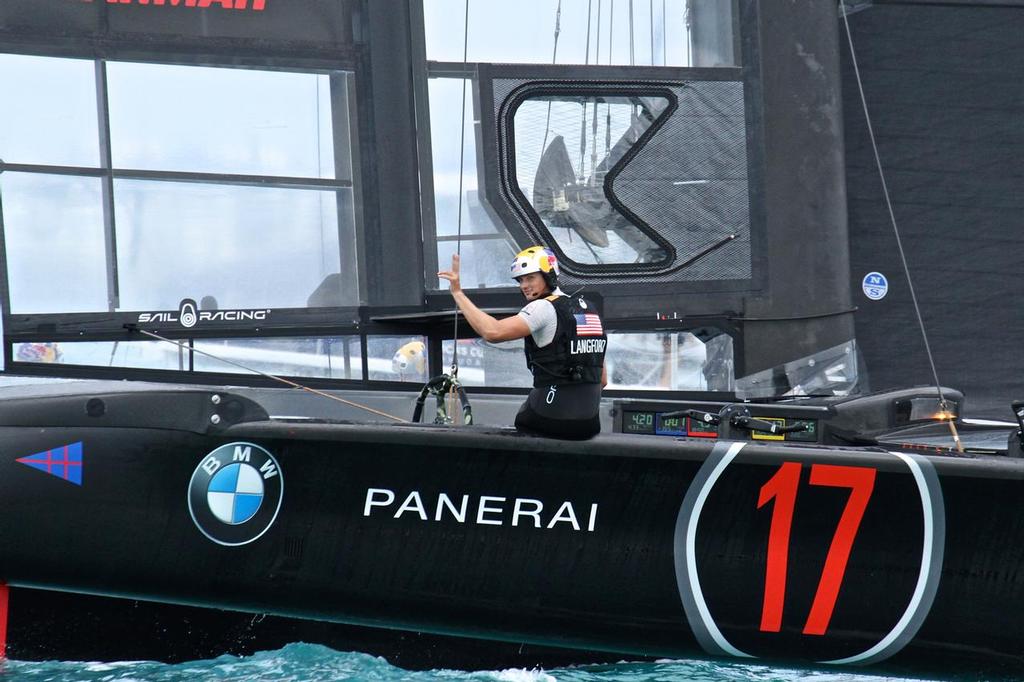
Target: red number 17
(782,488)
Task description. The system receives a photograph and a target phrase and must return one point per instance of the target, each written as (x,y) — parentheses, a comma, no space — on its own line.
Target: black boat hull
(629,544)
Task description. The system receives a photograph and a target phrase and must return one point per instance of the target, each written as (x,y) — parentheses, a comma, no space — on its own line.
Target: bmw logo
(235,493)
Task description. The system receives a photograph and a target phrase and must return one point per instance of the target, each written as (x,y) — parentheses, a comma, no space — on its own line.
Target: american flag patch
(588,324)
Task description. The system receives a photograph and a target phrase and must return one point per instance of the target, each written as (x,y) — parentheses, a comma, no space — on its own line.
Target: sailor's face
(533,286)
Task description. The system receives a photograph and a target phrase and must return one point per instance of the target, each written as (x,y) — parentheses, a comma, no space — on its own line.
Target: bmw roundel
(235,493)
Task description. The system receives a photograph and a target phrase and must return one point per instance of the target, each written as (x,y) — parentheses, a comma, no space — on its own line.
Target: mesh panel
(688,183)
(566,148)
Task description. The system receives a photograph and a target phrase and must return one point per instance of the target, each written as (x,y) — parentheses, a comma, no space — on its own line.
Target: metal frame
(524,207)
(390,88)
(195,51)
(610,80)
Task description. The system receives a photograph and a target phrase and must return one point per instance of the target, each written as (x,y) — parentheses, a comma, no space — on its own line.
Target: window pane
(485,263)
(133,354)
(446,143)
(524,31)
(565,148)
(397,358)
(245,246)
(489,364)
(481,257)
(336,357)
(216,120)
(53,226)
(49,115)
(680,361)
(833,371)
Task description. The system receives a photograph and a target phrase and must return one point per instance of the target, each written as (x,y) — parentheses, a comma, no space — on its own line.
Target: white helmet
(536,259)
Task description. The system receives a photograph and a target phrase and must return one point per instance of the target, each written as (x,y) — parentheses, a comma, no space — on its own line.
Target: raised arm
(488,327)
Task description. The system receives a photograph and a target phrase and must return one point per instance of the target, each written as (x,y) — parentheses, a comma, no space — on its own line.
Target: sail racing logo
(188,315)
(235,493)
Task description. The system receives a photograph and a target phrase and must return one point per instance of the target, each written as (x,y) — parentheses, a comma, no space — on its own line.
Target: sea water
(314,663)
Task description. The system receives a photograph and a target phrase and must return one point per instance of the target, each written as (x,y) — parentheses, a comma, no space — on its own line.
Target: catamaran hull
(630,544)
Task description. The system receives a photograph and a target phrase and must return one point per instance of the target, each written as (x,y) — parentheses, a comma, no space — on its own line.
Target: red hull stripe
(3,620)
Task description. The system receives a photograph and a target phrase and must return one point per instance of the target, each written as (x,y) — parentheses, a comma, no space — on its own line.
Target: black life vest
(576,353)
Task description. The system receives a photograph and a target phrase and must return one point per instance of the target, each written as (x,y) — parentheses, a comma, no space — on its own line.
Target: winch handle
(438,386)
(754,424)
(700,415)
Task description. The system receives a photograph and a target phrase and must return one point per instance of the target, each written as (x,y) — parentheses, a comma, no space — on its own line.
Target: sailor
(564,342)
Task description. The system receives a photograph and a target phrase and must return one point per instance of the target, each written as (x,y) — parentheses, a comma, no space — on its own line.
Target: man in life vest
(565,344)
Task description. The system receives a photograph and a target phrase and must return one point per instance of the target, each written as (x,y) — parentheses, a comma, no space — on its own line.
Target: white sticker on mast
(875,286)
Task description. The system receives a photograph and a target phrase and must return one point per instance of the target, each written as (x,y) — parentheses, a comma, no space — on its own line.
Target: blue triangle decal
(65,462)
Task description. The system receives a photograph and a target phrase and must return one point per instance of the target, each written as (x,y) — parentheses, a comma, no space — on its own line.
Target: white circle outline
(922,576)
(691,559)
(898,629)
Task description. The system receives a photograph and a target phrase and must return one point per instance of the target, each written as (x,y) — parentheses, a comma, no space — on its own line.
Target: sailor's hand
(452,275)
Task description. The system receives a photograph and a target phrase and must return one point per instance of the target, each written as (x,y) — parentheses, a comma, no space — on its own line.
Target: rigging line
(554,58)
(590,14)
(892,218)
(593,123)
(664,36)
(462,161)
(611,28)
(631,60)
(688,22)
(652,30)
(583,104)
(608,104)
(291,383)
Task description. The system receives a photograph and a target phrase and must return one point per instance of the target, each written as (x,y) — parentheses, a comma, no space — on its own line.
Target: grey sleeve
(542,320)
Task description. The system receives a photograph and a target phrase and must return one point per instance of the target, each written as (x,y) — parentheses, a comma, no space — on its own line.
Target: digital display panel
(810,435)
(638,422)
(655,423)
(671,426)
(764,435)
(701,429)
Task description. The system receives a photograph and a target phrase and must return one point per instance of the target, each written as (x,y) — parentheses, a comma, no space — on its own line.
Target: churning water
(314,663)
